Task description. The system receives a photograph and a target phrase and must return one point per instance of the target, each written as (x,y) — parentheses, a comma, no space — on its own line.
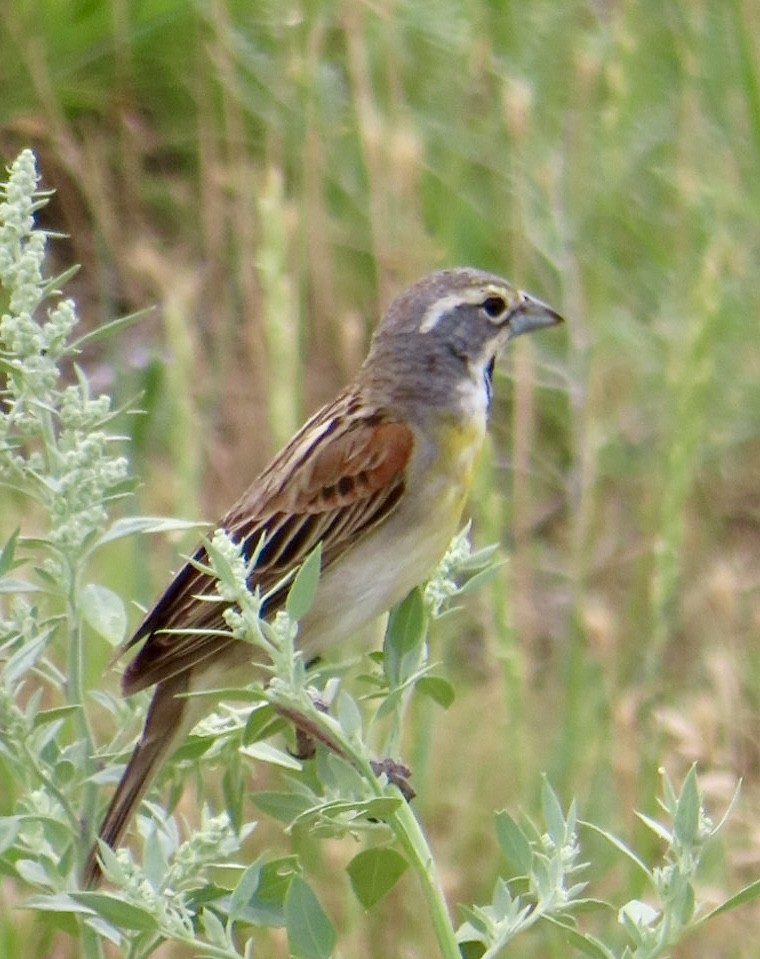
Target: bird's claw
(396,773)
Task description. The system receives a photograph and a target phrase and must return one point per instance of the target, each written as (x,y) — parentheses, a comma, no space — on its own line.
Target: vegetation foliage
(268,175)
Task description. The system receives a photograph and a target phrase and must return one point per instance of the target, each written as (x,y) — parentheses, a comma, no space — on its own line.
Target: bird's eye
(494,307)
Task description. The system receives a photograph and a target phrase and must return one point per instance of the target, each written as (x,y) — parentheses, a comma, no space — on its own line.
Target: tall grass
(269,174)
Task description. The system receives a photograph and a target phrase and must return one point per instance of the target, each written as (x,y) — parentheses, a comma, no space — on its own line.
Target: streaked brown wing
(339,477)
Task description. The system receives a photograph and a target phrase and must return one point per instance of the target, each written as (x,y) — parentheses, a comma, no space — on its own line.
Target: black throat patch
(488,379)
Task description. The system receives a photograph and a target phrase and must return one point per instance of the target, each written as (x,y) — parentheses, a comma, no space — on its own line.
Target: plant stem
(75,688)
(403,822)
(412,840)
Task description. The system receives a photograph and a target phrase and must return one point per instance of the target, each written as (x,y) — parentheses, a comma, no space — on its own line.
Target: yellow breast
(460,446)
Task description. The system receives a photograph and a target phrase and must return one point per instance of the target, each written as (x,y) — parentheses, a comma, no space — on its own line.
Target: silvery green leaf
(304,589)
(104,611)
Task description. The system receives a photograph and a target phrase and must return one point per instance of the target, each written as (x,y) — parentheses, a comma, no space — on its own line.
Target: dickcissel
(380,476)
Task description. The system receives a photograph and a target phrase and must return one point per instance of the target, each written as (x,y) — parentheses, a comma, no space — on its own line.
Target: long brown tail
(167,723)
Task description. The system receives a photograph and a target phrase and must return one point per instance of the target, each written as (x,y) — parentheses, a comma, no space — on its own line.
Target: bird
(379,476)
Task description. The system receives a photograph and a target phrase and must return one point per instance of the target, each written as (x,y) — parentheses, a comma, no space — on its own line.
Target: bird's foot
(308,734)
(396,773)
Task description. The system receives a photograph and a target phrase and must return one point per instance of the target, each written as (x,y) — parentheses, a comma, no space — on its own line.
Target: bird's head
(453,324)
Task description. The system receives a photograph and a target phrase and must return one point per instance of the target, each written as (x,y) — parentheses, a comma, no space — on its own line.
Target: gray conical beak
(530,315)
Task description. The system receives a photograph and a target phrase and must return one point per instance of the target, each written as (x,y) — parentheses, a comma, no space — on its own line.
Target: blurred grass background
(270,173)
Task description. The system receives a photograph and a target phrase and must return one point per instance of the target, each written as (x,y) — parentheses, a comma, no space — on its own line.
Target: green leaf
(471,948)
(486,556)
(747,894)
(105,612)
(26,656)
(10,584)
(267,753)
(45,716)
(657,827)
(389,705)
(276,877)
(194,747)
(155,856)
(213,928)
(36,872)
(56,833)
(683,903)
(584,942)
(619,845)
(264,903)
(234,791)
(283,806)
(56,283)
(104,929)
(440,690)
(245,890)
(119,913)
(349,716)
(311,935)
(262,722)
(553,815)
(381,808)
(686,821)
(6,555)
(669,798)
(641,914)
(129,525)
(514,843)
(9,827)
(304,588)
(729,809)
(374,872)
(480,579)
(335,816)
(109,329)
(407,625)
(59,902)
(337,775)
